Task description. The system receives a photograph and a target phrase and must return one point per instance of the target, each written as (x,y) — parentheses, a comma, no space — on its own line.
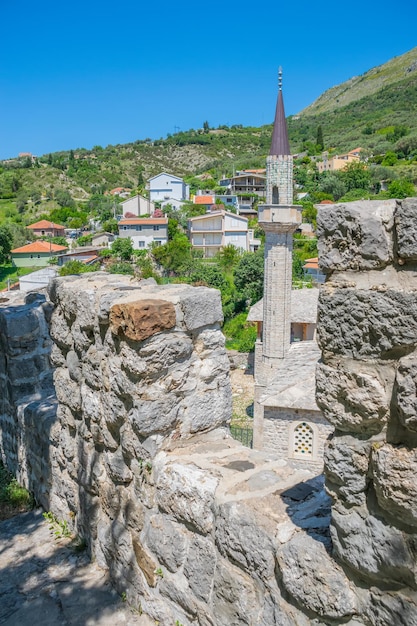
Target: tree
(249,276)
(6,240)
(355,176)
(122,248)
(320,141)
(333,184)
(175,256)
(401,189)
(64,198)
(206,127)
(228,257)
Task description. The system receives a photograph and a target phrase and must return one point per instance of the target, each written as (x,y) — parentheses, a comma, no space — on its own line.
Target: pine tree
(320,141)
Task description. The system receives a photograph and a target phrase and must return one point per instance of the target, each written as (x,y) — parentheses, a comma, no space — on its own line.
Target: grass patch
(14,498)
(12,273)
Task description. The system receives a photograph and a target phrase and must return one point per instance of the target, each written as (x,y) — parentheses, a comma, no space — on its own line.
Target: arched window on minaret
(275,195)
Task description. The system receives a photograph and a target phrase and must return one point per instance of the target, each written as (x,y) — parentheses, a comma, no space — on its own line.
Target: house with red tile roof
(36,254)
(144,231)
(46,228)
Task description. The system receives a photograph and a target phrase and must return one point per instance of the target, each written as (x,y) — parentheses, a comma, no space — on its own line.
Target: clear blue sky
(80,74)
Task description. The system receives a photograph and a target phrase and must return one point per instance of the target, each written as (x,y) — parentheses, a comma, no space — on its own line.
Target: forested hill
(364,110)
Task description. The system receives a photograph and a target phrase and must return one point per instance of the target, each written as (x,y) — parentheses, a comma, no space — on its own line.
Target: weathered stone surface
(200,566)
(391,609)
(201,307)
(364,323)
(235,597)
(142,319)
(352,401)
(355,236)
(146,563)
(375,549)
(406,229)
(346,460)
(406,391)
(394,472)
(237,527)
(314,580)
(188,493)
(168,541)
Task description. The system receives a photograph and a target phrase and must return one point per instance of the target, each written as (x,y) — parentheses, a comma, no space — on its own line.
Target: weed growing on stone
(59,528)
(14,498)
(159,572)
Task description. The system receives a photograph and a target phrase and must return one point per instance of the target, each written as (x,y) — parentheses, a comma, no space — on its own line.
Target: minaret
(279,218)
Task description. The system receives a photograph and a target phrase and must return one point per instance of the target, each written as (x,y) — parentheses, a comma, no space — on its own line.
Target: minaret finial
(280,78)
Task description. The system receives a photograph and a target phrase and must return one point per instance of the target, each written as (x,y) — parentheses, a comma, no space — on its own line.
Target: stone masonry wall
(366,387)
(131,445)
(193,527)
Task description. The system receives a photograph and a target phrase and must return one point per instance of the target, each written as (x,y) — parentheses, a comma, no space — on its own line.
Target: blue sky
(91,73)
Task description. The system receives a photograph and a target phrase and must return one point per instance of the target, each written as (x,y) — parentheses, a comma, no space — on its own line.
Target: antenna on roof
(280,78)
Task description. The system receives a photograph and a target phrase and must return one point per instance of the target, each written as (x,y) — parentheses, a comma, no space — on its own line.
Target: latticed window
(303,440)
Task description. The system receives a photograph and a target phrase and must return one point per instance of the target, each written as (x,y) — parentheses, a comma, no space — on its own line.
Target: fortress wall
(131,444)
(366,388)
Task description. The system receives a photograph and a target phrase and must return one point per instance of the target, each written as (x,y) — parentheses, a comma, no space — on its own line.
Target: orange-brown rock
(141,319)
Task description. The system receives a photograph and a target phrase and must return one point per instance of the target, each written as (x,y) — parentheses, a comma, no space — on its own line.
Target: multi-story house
(213,231)
(168,189)
(144,231)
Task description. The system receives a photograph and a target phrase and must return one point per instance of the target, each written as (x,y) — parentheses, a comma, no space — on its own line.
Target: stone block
(187,493)
(355,236)
(394,474)
(141,319)
(363,323)
(199,567)
(241,538)
(406,229)
(201,307)
(314,580)
(236,598)
(352,401)
(376,550)
(346,467)
(406,391)
(391,608)
(168,541)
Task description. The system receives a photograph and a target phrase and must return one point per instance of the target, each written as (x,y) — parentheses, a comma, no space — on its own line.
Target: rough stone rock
(352,401)
(406,391)
(375,549)
(200,566)
(187,492)
(346,461)
(142,319)
(355,236)
(406,229)
(235,597)
(158,414)
(146,563)
(394,472)
(236,528)
(391,609)
(314,580)
(201,307)
(364,323)
(168,541)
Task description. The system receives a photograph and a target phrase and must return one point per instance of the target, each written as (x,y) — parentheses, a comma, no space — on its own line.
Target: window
(303,440)
(141,244)
(138,227)
(156,227)
(157,243)
(124,227)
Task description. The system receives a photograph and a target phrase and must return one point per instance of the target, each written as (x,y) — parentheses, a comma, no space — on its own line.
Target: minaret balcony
(279,216)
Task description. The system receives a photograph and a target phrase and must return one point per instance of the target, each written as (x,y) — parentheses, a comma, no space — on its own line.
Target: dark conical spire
(280,144)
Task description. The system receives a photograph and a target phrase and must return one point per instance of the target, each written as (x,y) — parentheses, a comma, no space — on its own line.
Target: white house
(144,231)
(168,189)
(213,231)
(138,205)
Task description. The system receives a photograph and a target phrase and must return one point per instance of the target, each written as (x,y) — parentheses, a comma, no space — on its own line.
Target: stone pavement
(43,581)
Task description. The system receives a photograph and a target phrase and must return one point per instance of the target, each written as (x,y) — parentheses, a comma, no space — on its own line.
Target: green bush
(240,334)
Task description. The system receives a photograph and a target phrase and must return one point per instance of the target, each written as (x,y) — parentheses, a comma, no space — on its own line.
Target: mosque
(287,420)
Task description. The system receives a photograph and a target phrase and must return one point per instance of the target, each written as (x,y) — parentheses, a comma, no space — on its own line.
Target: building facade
(138,205)
(213,231)
(144,231)
(168,189)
